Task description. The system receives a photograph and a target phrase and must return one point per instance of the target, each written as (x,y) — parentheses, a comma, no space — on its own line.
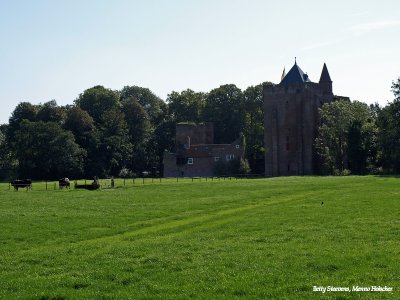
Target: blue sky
(57,49)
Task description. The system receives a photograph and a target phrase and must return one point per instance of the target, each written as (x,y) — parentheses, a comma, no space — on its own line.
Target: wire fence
(117,183)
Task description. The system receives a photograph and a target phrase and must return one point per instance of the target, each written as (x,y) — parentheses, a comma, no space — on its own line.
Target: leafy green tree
(244,167)
(254,126)
(186,106)
(87,136)
(396,89)
(138,121)
(3,153)
(233,167)
(163,139)
(125,173)
(140,132)
(148,155)
(97,101)
(7,163)
(2,137)
(225,108)
(154,106)
(23,111)
(82,125)
(51,112)
(46,151)
(347,137)
(115,147)
(389,132)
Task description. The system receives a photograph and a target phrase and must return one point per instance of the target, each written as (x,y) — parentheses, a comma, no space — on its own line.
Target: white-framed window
(190,161)
(237,146)
(230,157)
(216,158)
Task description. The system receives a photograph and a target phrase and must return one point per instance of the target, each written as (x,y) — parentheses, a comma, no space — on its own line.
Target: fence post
(192,179)
(152,179)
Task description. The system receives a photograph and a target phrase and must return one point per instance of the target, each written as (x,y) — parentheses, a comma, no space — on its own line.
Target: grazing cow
(25,183)
(94,186)
(64,182)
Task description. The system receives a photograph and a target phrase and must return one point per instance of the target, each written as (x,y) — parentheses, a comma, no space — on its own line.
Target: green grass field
(251,239)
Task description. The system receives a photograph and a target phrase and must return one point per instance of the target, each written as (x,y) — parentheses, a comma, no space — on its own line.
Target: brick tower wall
(291,120)
(199,133)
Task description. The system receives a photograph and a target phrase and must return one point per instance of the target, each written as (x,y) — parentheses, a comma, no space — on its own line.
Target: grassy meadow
(248,238)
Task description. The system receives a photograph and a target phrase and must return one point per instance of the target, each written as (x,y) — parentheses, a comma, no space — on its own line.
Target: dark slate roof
(295,76)
(325,75)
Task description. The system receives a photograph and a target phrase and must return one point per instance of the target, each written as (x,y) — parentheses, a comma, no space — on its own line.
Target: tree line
(121,133)
(126,132)
(355,138)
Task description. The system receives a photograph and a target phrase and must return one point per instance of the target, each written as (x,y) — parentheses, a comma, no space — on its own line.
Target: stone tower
(291,119)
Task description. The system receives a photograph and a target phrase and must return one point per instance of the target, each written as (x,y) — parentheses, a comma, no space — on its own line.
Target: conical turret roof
(295,76)
(325,77)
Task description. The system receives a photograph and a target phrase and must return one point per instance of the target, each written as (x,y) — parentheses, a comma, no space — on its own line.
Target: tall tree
(225,108)
(186,106)
(23,111)
(396,89)
(82,125)
(115,148)
(87,136)
(7,162)
(137,119)
(51,112)
(154,106)
(97,101)
(162,140)
(254,126)
(45,151)
(389,132)
(148,156)
(140,131)
(347,137)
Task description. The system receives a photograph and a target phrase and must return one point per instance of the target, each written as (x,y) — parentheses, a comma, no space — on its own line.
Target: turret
(325,81)
(283,74)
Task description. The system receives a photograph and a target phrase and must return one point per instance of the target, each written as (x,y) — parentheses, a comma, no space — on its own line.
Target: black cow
(64,182)
(24,183)
(94,186)
(91,187)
